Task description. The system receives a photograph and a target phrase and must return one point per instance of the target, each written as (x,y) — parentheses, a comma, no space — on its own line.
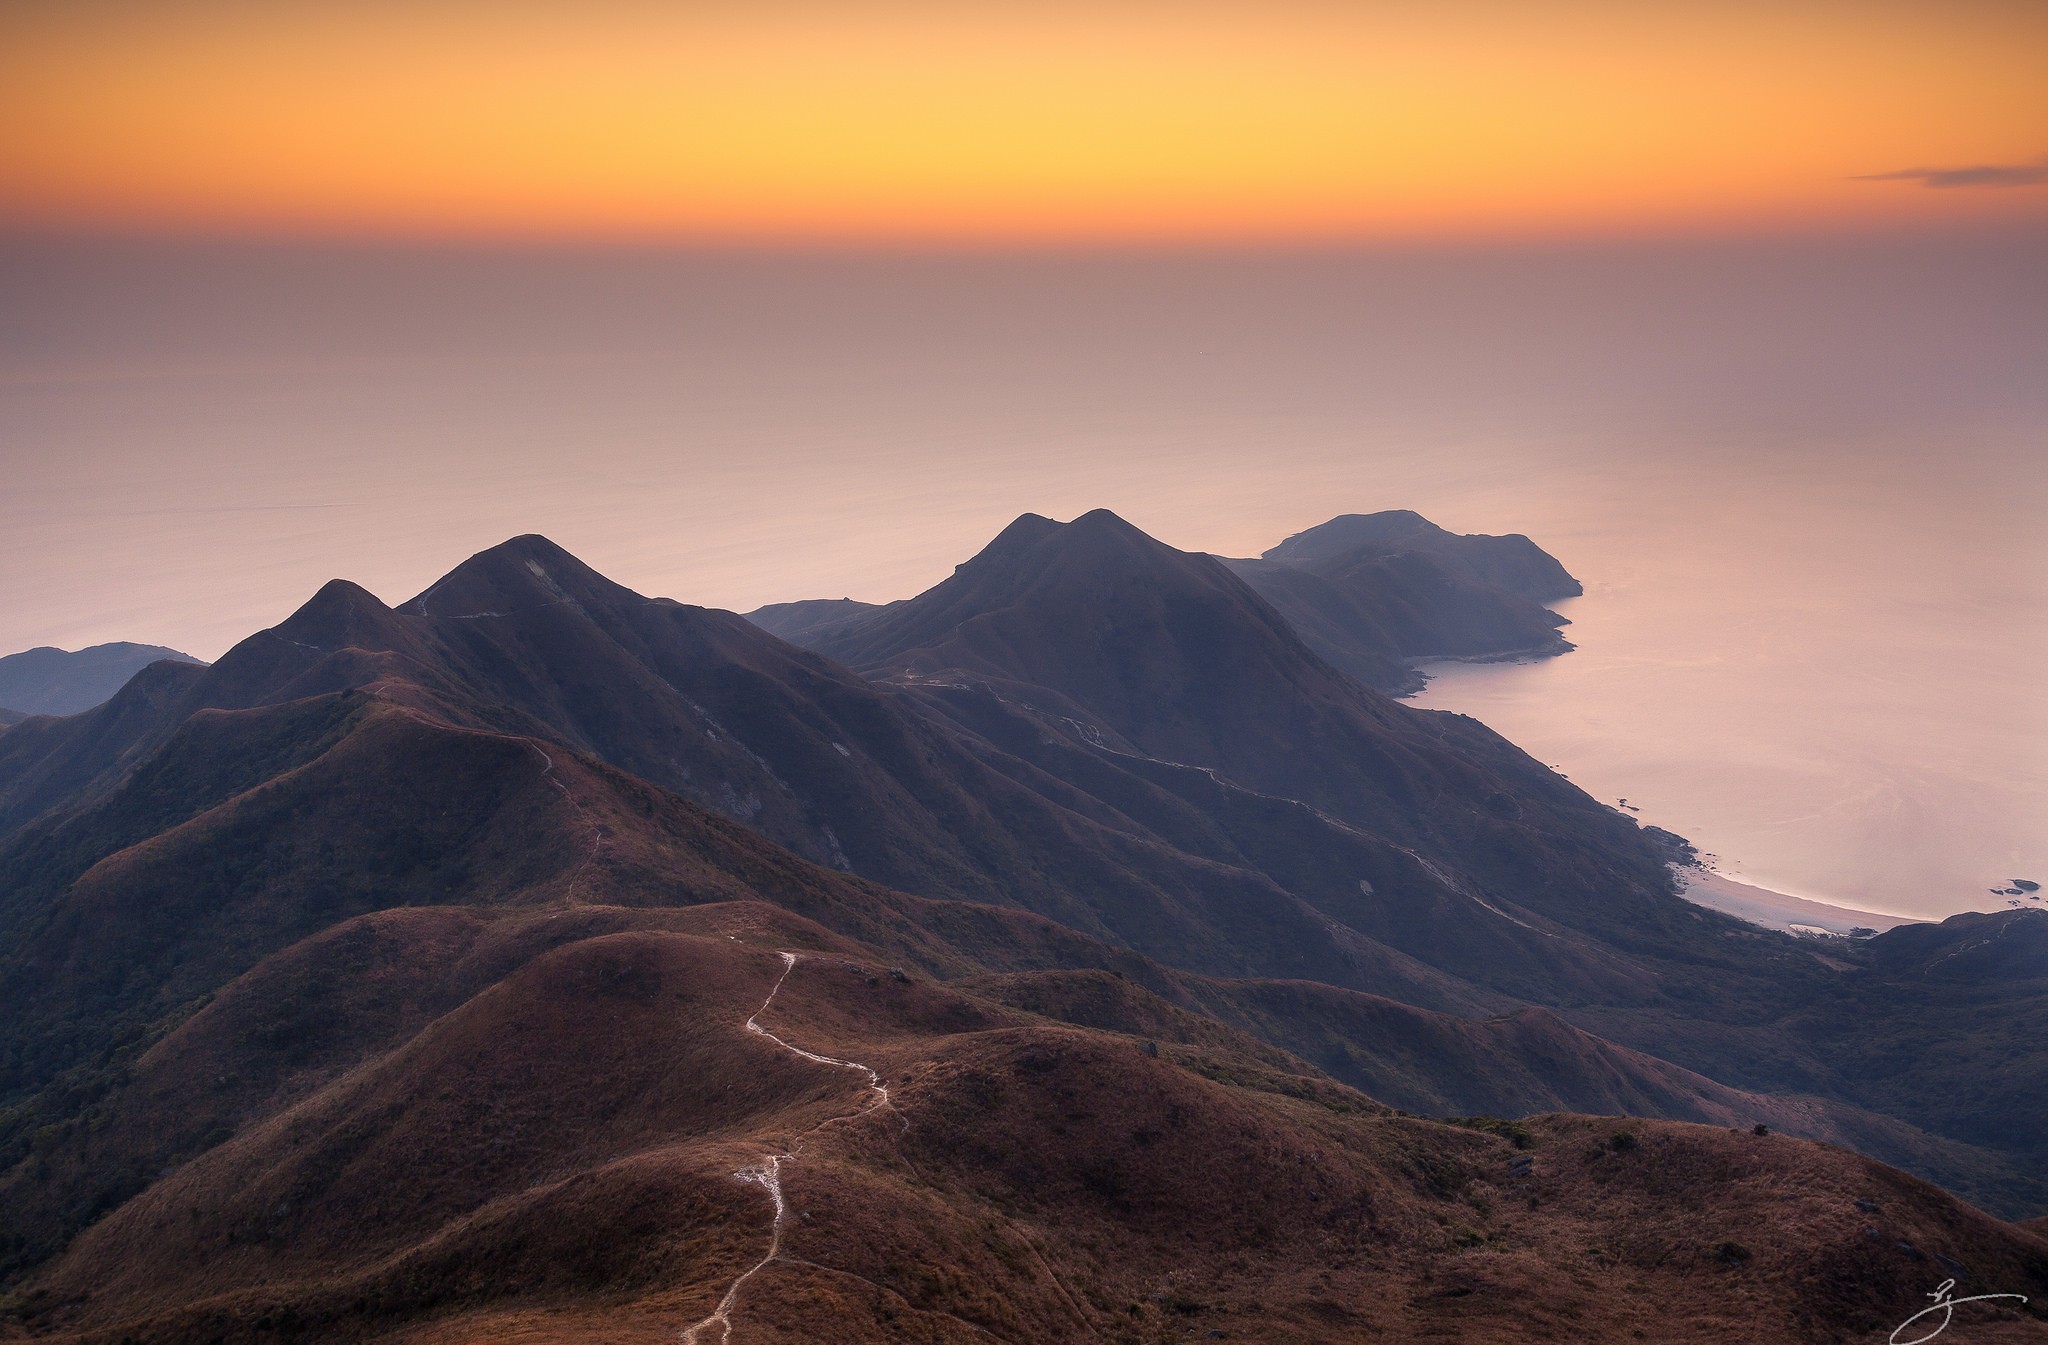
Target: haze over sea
(1805,481)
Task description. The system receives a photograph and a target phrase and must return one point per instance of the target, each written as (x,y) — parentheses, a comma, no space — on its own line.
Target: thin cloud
(2033,174)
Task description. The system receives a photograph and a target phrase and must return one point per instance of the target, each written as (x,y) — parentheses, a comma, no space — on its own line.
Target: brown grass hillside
(553,1158)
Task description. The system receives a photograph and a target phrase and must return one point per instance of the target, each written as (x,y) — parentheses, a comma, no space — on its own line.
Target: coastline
(1776,910)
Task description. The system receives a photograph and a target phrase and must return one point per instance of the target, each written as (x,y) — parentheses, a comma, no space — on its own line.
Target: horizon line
(32,233)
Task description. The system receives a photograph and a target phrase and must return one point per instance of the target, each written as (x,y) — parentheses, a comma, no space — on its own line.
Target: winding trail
(767,1174)
(547,772)
(381,689)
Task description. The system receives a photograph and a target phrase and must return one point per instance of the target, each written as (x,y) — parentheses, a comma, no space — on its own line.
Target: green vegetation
(1513,1132)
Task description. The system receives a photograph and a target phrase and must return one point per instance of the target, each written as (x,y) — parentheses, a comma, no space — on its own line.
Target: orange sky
(981,120)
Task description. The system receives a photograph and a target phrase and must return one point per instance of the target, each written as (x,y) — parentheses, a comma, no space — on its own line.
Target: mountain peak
(339,616)
(1024,532)
(1026,528)
(1104,520)
(518,574)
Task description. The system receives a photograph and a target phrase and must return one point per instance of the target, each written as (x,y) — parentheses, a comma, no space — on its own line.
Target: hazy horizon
(315,397)
(1803,479)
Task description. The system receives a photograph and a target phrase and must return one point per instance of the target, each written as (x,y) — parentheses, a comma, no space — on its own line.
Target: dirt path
(767,1174)
(547,772)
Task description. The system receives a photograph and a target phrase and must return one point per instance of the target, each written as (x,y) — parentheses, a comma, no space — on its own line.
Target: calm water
(1835,710)
(1805,482)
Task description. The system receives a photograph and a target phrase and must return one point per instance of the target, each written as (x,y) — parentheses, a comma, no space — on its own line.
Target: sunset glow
(1050,121)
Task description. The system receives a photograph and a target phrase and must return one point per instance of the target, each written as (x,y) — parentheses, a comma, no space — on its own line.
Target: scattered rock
(1677,849)
(1150,1048)
(1867,1205)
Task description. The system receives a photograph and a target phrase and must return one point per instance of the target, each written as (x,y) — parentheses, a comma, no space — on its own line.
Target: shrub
(1511,1131)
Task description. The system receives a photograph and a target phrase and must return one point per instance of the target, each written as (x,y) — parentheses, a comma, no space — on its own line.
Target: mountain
(1165,659)
(1513,563)
(1021,1177)
(47,681)
(392,977)
(576,1124)
(1419,830)
(1017,807)
(1367,592)
(10,717)
(1370,593)
(798,622)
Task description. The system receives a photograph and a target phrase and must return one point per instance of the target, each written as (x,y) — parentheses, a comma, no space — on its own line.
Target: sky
(977,121)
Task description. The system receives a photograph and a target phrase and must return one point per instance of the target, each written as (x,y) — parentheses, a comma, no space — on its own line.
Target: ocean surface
(1804,481)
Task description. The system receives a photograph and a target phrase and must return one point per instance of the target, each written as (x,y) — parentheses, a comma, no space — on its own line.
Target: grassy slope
(1029,1181)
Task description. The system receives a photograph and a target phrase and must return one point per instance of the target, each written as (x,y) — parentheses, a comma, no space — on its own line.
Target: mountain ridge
(1369,593)
(282,937)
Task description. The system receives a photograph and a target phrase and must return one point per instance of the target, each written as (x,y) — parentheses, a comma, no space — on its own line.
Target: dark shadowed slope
(1152,653)
(48,681)
(1509,1064)
(1941,1025)
(48,763)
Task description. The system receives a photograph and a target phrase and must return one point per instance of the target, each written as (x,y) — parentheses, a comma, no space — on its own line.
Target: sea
(1804,479)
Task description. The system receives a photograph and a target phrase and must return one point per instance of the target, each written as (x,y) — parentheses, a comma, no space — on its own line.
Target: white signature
(1946,1306)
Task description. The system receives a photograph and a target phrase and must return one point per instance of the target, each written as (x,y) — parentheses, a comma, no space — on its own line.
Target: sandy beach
(1775,910)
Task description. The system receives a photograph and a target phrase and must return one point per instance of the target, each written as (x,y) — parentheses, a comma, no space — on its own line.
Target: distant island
(50,681)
